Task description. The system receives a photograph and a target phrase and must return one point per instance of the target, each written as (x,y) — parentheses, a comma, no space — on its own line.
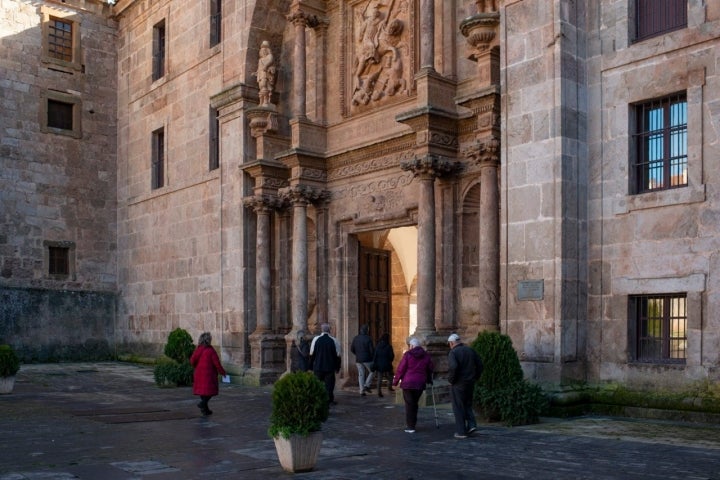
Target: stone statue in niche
(266,74)
(380,47)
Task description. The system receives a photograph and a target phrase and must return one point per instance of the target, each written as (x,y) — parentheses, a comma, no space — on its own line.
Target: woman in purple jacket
(415,370)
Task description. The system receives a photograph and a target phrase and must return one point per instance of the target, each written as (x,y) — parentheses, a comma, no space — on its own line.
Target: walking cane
(432,391)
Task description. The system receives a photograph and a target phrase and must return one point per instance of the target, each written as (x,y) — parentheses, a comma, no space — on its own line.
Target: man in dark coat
(464,369)
(325,359)
(362,347)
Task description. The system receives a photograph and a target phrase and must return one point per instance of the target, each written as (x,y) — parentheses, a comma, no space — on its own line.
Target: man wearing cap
(464,369)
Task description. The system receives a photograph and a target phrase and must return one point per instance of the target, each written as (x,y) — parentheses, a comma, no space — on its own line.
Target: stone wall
(57,186)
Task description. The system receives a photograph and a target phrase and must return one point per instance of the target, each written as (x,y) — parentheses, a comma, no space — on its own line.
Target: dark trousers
(328,378)
(411,398)
(462,396)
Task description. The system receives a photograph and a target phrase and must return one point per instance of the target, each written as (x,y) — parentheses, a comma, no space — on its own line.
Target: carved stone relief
(379,56)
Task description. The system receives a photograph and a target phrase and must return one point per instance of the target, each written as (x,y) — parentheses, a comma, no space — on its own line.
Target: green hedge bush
(169,373)
(299,405)
(9,361)
(502,393)
(179,346)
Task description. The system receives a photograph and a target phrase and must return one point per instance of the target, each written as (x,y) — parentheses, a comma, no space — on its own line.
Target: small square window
(58,260)
(59,115)
(61,40)
(660,326)
(661,146)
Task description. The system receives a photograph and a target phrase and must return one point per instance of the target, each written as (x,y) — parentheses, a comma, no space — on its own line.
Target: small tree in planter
(9,366)
(299,407)
(502,393)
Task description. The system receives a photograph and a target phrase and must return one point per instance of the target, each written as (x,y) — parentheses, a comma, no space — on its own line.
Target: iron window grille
(158,51)
(215,22)
(158,158)
(60,39)
(59,114)
(661,327)
(58,260)
(661,161)
(656,17)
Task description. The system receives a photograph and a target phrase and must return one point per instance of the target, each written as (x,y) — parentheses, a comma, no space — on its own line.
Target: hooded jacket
(415,369)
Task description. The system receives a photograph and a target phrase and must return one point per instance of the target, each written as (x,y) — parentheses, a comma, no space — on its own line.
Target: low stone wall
(58,325)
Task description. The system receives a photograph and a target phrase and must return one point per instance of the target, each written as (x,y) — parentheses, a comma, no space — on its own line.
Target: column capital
(263,203)
(299,18)
(484,152)
(303,195)
(431,166)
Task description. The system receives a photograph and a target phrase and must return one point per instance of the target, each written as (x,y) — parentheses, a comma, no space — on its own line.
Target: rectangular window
(59,114)
(60,39)
(656,17)
(661,327)
(58,260)
(158,158)
(215,21)
(661,159)
(158,51)
(214,134)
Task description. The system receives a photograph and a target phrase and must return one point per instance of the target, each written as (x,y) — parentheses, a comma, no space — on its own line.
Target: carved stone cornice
(303,195)
(484,152)
(264,203)
(431,166)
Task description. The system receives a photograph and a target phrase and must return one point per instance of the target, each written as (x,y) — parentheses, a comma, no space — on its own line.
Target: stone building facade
(541,168)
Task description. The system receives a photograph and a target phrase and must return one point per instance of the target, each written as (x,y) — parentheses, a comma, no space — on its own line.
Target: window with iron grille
(59,114)
(656,17)
(660,327)
(60,39)
(215,21)
(158,158)
(158,51)
(58,260)
(214,134)
(661,159)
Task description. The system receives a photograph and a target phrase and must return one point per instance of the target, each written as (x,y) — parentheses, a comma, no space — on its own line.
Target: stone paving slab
(53,429)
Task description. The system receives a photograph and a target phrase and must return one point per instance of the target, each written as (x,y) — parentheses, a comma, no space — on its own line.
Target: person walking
(464,369)
(300,356)
(382,362)
(362,347)
(325,359)
(207,367)
(413,373)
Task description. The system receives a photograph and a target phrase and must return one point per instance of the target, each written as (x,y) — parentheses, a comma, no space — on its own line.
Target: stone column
(299,200)
(426,170)
(486,154)
(427,35)
(299,20)
(489,245)
(262,264)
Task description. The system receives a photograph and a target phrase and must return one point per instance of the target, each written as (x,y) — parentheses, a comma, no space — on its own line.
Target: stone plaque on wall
(530,290)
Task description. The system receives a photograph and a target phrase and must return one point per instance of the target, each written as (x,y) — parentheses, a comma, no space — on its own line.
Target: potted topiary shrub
(299,407)
(9,366)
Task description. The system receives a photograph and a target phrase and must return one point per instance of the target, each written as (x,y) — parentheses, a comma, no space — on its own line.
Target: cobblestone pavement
(108,421)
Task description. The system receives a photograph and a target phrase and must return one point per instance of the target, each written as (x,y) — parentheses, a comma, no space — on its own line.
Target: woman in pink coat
(414,371)
(207,366)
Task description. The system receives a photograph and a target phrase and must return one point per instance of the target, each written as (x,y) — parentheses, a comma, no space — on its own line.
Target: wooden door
(374,294)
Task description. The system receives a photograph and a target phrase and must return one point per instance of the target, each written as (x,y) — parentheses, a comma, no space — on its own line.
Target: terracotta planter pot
(297,453)
(7,384)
